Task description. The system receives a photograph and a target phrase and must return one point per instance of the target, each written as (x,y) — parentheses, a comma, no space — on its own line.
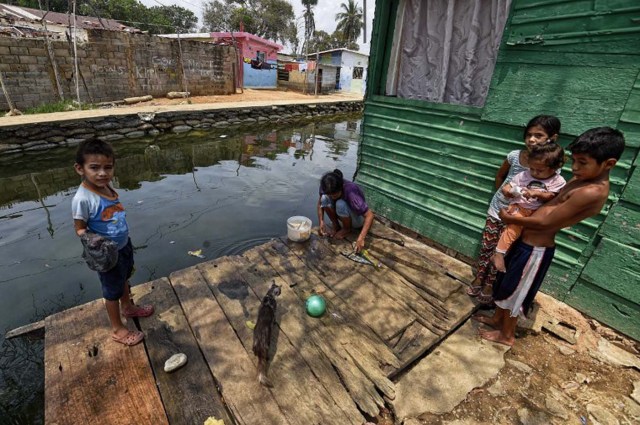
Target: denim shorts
(113,281)
(342,210)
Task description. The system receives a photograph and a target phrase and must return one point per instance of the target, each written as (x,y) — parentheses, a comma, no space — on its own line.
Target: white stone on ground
(175,362)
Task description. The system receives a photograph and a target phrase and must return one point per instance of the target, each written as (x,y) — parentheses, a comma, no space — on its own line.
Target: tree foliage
(322,41)
(350,21)
(270,19)
(156,20)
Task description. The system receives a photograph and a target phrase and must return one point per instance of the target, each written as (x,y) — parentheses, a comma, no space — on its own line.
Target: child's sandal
(138,311)
(474,290)
(486,299)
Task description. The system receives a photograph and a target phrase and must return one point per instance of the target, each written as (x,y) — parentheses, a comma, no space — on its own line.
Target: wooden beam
(91,379)
(189,394)
(27,330)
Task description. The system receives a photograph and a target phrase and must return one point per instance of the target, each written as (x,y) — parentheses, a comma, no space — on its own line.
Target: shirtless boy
(594,153)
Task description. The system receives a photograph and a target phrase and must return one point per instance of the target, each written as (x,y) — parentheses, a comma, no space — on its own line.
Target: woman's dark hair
(550,153)
(550,124)
(93,147)
(332,182)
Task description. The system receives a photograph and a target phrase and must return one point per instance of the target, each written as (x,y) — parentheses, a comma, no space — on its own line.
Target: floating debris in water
(250,324)
(196,253)
(172,242)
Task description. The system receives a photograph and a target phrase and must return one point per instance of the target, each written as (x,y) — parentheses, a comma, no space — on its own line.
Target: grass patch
(61,106)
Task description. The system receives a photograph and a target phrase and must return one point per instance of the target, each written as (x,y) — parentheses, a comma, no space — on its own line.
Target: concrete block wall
(113,65)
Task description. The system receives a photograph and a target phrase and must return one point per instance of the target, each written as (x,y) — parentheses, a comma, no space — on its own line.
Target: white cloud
(324,12)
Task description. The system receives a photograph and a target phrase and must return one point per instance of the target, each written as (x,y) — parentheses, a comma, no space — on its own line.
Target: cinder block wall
(113,65)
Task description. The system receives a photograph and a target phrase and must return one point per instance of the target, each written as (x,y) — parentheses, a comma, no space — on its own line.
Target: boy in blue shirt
(96,209)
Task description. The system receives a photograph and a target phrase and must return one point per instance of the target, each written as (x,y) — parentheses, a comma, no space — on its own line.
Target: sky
(324,12)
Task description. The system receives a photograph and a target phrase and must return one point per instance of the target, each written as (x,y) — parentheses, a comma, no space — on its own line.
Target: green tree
(309,21)
(270,19)
(180,19)
(61,6)
(350,21)
(322,41)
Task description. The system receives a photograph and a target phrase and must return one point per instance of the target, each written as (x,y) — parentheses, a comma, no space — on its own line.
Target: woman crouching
(343,202)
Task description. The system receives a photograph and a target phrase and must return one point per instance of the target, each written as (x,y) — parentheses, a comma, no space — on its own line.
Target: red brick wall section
(113,65)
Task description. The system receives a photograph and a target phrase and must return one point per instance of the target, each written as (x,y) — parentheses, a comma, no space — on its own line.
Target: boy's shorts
(526,268)
(342,210)
(114,280)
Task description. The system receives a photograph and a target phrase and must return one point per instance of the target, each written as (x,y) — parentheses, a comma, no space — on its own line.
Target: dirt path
(567,369)
(248,98)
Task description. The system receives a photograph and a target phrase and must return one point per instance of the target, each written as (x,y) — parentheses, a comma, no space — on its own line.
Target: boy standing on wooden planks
(99,220)
(594,153)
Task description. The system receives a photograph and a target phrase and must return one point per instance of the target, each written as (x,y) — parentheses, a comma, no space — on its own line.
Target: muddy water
(221,193)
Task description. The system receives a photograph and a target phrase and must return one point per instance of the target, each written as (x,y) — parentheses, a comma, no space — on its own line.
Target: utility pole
(364,26)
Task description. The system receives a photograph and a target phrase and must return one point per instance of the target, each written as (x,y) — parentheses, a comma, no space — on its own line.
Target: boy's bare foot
(487,320)
(498,262)
(496,336)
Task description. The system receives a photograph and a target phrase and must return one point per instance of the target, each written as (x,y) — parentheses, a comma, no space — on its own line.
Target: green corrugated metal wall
(430,167)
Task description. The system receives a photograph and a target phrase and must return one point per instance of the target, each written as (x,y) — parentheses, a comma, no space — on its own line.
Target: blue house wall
(260,78)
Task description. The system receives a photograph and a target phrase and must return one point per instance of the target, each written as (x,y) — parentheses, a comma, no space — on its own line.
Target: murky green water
(219,192)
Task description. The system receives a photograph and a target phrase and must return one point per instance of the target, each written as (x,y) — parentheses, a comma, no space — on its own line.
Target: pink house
(258,62)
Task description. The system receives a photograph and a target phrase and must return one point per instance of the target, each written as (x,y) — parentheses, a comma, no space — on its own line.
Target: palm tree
(309,21)
(350,21)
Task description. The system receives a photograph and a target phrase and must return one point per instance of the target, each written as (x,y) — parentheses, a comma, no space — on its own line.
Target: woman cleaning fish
(343,202)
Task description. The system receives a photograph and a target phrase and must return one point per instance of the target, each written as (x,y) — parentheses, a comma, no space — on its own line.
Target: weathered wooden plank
(90,379)
(371,370)
(249,402)
(306,282)
(36,328)
(296,324)
(412,344)
(415,269)
(296,390)
(400,290)
(338,327)
(315,255)
(189,394)
(361,389)
(452,266)
(383,314)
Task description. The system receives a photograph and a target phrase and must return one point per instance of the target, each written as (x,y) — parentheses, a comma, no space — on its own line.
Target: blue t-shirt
(104,216)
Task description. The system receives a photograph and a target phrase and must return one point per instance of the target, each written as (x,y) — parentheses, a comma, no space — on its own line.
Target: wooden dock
(331,370)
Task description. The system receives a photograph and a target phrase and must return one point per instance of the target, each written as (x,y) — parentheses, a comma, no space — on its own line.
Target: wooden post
(184,76)
(75,55)
(317,73)
(237,64)
(12,108)
(52,57)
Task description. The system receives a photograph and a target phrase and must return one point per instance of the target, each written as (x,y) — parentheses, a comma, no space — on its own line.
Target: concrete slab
(440,381)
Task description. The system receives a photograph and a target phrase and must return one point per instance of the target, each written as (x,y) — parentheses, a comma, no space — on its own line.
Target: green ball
(316,306)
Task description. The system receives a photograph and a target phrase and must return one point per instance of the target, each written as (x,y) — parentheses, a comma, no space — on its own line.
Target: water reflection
(151,160)
(219,192)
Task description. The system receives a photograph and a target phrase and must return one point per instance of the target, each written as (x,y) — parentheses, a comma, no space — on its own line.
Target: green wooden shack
(452,84)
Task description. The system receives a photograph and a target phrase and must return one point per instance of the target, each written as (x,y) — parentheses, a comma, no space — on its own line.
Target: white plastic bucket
(298,228)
